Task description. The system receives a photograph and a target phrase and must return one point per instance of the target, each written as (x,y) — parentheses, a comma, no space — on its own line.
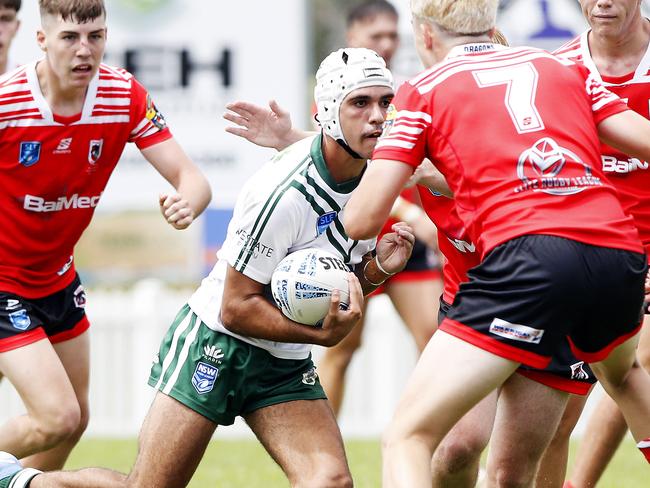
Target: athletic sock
(644,447)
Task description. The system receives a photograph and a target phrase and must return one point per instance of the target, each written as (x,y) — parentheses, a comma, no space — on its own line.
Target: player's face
(379,34)
(362,116)
(73,50)
(611,17)
(8,27)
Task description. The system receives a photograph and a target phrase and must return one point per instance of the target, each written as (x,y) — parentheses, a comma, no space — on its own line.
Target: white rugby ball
(303,281)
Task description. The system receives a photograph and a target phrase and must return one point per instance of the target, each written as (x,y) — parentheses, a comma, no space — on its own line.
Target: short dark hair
(75,10)
(369,9)
(11,4)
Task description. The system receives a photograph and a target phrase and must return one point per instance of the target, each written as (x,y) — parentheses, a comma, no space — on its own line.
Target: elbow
(229,317)
(360,228)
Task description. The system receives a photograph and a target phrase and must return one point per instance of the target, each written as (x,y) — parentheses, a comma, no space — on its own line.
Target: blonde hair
(458,16)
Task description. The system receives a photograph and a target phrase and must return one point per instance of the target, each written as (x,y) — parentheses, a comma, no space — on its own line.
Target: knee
(511,475)
(325,477)
(59,424)
(453,457)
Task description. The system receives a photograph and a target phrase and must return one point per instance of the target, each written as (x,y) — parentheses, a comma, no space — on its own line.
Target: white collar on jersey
(641,70)
(473,48)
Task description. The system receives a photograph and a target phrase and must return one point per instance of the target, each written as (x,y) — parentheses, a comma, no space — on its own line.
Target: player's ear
(40,39)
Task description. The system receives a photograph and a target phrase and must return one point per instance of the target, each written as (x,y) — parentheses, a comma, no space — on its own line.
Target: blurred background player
(9,25)
(616,51)
(58,148)
(414,291)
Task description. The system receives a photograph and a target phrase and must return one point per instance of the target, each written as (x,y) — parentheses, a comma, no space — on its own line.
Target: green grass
(235,464)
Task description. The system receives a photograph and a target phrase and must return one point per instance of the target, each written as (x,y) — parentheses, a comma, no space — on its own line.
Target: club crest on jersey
(30,153)
(95,150)
(154,115)
(204,377)
(324,221)
(20,320)
(391,115)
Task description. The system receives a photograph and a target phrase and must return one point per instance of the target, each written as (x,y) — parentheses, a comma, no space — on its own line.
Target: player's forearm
(255,316)
(194,187)
(293,136)
(369,274)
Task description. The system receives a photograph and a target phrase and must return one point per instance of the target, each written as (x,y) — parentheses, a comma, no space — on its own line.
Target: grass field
(239,464)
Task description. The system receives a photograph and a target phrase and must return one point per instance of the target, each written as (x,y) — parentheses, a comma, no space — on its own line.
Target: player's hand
(394,248)
(338,323)
(176,210)
(427,175)
(266,127)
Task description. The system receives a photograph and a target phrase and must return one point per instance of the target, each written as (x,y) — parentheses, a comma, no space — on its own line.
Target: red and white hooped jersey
(54,169)
(630,176)
(514,132)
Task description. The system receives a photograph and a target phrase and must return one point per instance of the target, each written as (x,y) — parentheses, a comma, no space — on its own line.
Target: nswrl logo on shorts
(204,377)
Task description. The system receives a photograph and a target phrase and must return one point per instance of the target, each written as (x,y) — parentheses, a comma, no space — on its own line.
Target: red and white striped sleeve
(406,129)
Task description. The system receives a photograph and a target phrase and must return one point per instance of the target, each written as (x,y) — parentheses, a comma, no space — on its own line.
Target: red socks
(644,447)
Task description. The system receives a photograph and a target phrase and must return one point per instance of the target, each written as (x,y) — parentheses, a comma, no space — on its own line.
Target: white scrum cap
(340,73)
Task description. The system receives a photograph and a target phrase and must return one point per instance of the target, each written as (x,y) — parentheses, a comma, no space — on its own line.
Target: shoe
(12,474)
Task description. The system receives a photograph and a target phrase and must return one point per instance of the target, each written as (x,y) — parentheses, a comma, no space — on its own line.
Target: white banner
(194,57)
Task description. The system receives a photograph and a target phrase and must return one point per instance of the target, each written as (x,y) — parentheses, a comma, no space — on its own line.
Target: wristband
(379,266)
(366,276)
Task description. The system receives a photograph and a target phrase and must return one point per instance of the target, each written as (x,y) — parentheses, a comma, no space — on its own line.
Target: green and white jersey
(291,203)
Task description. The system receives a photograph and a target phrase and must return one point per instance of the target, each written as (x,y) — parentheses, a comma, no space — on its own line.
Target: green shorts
(221,377)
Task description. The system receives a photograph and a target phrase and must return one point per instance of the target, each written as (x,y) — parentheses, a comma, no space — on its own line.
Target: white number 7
(521,87)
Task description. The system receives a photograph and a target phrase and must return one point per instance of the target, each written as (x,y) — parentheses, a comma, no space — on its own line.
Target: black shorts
(59,317)
(565,372)
(532,292)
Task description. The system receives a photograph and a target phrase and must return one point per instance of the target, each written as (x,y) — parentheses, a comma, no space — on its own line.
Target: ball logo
(552,169)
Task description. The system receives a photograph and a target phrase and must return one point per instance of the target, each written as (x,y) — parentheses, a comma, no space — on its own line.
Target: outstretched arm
(192,188)
(628,132)
(266,127)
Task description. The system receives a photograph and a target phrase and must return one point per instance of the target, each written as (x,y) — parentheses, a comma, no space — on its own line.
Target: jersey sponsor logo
(323,222)
(613,165)
(64,146)
(204,377)
(95,150)
(462,246)
(516,332)
(578,372)
(30,153)
(213,353)
(66,266)
(12,304)
(39,204)
(252,246)
(309,377)
(79,297)
(20,320)
(552,169)
(154,115)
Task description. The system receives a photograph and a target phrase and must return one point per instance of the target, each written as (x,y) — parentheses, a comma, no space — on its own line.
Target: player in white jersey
(231,352)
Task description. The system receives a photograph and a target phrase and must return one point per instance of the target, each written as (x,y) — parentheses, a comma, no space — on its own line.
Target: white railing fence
(126,330)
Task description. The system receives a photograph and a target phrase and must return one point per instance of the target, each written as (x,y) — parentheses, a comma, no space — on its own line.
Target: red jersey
(514,132)
(630,176)
(54,169)
(453,241)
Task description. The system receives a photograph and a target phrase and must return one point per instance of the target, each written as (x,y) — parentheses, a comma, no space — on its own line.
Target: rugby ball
(303,281)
